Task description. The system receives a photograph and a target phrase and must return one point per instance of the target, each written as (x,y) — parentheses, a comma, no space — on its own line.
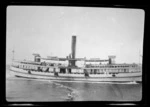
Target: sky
(100,32)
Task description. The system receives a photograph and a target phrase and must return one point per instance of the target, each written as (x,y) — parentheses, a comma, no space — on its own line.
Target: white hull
(122,77)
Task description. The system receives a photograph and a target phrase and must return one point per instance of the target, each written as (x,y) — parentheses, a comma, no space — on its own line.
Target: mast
(13,51)
(139,57)
(13,54)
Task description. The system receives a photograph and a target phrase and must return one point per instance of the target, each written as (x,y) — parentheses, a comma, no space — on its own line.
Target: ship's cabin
(89,68)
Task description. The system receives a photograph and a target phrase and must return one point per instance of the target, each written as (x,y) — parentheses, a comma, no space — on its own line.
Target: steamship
(66,69)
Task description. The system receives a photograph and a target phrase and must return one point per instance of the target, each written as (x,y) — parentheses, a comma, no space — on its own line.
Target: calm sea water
(22,89)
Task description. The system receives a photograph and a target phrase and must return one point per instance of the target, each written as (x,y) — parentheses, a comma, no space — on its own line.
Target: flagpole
(13,55)
(139,57)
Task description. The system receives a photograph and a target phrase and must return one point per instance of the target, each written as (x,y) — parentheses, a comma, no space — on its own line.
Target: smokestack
(73,51)
(73,47)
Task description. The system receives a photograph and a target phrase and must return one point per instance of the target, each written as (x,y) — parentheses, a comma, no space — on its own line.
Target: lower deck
(76,75)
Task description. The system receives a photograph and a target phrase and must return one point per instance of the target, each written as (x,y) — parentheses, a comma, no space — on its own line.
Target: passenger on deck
(39,69)
(86,73)
(47,70)
(29,72)
(55,73)
(69,71)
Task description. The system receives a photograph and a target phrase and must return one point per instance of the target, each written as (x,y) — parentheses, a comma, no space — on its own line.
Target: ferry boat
(65,69)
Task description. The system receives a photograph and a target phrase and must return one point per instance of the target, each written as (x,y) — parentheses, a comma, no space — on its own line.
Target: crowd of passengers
(42,63)
(110,66)
(92,71)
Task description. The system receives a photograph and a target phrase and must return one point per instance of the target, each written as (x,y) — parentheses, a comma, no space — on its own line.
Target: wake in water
(71,95)
(72,92)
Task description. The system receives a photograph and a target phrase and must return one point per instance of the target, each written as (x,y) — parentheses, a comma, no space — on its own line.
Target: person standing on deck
(55,72)
(86,73)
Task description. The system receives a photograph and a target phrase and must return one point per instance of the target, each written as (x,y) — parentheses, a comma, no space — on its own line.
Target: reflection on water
(21,89)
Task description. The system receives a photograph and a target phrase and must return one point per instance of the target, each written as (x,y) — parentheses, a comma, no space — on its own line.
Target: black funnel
(73,51)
